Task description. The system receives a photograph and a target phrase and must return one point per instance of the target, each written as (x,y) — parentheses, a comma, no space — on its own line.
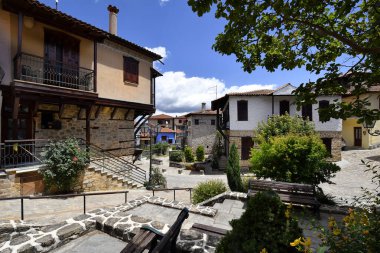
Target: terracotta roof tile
(202,112)
(161,116)
(252,93)
(166,130)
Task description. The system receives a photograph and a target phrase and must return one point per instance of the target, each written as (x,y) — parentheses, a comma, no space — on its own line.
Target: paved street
(348,182)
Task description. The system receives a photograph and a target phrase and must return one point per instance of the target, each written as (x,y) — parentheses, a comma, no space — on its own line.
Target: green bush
(208,189)
(157,179)
(233,170)
(164,148)
(189,156)
(266,224)
(200,153)
(176,156)
(293,158)
(157,148)
(217,151)
(64,161)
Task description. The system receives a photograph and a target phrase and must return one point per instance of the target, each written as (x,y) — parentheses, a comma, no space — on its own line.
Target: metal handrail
(63,196)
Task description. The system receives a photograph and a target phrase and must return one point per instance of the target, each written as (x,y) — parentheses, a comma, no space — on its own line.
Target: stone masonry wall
(107,133)
(202,134)
(235,137)
(336,143)
(92,180)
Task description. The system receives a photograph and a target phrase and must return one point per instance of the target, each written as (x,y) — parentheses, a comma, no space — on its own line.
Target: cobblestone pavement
(352,176)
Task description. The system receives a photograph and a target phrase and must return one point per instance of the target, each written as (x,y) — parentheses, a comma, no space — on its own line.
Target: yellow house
(353,133)
(61,77)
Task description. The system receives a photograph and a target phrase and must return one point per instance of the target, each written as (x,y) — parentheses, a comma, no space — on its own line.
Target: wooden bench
(209,230)
(155,241)
(292,193)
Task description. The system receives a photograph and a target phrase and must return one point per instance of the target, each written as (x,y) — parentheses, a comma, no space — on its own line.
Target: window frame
(131,75)
(242,110)
(196,122)
(284,103)
(322,104)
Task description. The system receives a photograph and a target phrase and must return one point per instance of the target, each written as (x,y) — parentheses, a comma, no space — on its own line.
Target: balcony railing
(40,70)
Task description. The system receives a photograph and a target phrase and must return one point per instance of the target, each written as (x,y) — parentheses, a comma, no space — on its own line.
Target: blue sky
(192,69)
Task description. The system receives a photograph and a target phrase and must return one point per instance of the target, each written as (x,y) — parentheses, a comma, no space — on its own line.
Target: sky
(192,71)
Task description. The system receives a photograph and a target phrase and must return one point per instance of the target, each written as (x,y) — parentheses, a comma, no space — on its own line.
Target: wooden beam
(95,64)
(98,111)
(61,110)
(113,112)
(35,108)
(16,107)
(126,114)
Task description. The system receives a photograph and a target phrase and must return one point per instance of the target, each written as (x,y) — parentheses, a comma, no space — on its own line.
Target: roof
(161,116)
(48,15)
(252,93)
(202,112)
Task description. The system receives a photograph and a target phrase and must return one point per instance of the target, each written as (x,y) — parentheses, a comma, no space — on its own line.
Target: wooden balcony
(36,69)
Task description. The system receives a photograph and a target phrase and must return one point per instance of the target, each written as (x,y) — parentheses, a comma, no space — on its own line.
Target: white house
(240,113)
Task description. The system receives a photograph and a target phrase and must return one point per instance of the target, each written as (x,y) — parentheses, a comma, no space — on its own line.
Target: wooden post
(95,64)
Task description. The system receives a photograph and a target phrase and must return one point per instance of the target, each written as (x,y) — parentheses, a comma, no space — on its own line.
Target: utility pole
(56,4)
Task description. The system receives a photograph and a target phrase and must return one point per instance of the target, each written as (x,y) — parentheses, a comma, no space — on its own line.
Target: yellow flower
(331,223)
(287,213)
(307,242)
(336,231)
(264,250)
(365,232)
(296,242)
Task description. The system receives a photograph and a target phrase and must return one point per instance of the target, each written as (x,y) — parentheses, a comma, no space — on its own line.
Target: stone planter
(180,171)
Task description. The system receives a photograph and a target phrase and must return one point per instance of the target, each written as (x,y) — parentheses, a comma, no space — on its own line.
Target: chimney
(113,11)
(203,107)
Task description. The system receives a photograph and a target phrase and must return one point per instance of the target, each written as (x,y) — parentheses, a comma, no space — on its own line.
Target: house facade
(240,113)
(66,78)
(162,120)
(201,129)
(354,134)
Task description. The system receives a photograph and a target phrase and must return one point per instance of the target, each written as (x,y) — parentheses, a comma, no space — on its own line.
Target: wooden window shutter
(131,70)
(323,104)
(242,107)
(284,107)
(307,112)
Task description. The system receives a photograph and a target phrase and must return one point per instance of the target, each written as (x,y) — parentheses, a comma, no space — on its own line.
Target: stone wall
(336,143)
(22,184)
(93,180)
(116,134)
(235,137)
(202,134)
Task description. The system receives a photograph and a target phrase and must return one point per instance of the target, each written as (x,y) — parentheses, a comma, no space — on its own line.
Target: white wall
(260,107)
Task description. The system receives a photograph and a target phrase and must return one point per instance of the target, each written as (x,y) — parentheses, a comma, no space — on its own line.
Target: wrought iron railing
(21,153)
(36,69)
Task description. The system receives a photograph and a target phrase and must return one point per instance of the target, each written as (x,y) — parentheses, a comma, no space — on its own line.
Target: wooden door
(246,145)
(358,136)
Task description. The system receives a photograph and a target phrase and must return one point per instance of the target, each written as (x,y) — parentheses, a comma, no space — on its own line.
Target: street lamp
(370,124)
(152,132)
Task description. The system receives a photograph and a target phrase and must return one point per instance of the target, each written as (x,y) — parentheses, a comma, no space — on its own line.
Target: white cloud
(163,2)
(160,51)
(177,94)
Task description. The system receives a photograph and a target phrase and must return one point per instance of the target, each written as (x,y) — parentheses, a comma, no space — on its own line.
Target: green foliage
(200,153)
(157,179)
(293,158)
(217,151)
(164,148)
(160,148)
(189,155)
(233,170)
(278,125)
(64,161)
(326,37)
(176,156)
(208,189)
(266,223)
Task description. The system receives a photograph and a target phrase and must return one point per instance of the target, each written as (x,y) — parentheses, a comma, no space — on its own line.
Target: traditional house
(353,133)
(201,129)
(162,120)
(239,114)
(66,78)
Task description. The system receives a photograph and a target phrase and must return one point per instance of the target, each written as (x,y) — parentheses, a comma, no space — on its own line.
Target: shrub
(200,153)
(64,161)
(189,156)
(293,158)
(266,223)
(176,156)
(233,170)
(208,189)
(157,148)
(164,148)
(217,151)
(157,178)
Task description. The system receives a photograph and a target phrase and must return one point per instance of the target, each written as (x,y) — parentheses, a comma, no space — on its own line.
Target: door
(246,145)
(357,136)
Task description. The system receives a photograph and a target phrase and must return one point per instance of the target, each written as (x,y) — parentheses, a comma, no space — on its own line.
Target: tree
(326,37)
(278,125)
(200,153)
(233,170)
(266,223)
(293,158)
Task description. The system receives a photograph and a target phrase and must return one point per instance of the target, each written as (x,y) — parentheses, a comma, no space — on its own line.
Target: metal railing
(22,209)
(21,153)
(36,69)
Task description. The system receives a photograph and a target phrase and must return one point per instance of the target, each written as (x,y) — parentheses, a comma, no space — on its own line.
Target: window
(307,112)
(196,122)
(327,142)
(213,122)
(284,107)
(246,145)
(131,70)
(323,105)
(242,110)
(180,121)
(161,121)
